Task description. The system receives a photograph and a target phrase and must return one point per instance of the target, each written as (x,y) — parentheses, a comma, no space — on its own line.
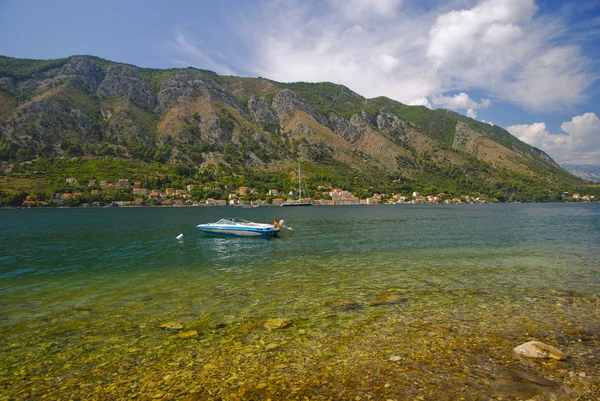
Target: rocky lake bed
(489,302)
(464,349)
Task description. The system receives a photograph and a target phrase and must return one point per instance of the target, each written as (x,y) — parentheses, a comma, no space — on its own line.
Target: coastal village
(239,196)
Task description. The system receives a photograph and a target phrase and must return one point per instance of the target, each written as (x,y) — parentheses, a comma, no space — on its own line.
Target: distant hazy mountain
(587,172)
(84,106)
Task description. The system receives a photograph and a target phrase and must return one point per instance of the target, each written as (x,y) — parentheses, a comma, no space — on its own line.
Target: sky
(530,66)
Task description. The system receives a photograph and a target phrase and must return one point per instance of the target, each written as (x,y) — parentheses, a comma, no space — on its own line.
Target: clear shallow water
(84,292)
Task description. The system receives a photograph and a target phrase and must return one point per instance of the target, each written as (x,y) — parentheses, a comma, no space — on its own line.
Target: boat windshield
(238,222)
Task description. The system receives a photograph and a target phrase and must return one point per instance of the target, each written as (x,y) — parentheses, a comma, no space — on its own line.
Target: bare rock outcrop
(192,83)
(261,112)
(361,123)
(391,124)
(122,129)
(85,71)
(124,80)
(287,102)
(344,128)
(465,138)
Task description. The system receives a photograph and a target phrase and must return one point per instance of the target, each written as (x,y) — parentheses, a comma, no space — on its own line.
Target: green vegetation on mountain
(86,118)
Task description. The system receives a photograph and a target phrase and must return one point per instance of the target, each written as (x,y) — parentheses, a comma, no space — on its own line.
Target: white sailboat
(299,201)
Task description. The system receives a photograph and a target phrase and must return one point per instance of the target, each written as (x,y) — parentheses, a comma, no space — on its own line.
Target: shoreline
(269,206)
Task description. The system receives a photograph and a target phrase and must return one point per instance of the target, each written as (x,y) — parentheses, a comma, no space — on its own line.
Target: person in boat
(276,224)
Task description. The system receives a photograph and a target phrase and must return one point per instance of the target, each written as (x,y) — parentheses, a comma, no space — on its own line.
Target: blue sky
(531,66)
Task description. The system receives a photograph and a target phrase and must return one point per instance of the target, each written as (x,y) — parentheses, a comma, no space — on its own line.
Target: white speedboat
(240,228)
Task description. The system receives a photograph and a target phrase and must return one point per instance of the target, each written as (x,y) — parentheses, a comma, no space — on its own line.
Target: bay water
(357,302)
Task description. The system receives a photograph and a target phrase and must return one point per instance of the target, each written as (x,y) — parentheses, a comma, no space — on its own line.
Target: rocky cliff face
(124,81)
(465,139)
(84,106)
(361,123)
(389,123)
(261,112)
(177,89)
(348,130)
(287,102)
(84,70)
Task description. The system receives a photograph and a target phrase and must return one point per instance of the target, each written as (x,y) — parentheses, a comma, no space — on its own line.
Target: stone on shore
(537,349)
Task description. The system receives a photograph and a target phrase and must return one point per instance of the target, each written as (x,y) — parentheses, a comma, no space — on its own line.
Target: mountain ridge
(88,107)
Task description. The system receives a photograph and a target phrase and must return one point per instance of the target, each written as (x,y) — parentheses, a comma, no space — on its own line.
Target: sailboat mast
(299,182)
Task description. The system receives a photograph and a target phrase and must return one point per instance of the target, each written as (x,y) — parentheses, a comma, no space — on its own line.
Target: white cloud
(387,62)
(357,9)
(483,36)
(421,102)
(498,46)
(356,28)
(551,81)
(370,46)
(194,57)
(579,143)
(461,101)
(394,48)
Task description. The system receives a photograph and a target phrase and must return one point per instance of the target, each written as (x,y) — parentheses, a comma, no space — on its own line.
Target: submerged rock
(519,376)
(539,380)
(343,304)
(277,323)
(171,326)
(388,299)
(271,347)
(186,335)
(561,293)
(537,349)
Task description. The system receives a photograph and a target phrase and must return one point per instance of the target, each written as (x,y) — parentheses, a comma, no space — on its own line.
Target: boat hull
(238,231)
(296,204)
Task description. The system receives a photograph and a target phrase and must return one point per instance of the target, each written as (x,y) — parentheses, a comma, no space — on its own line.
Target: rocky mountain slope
(84,106)
(590,173)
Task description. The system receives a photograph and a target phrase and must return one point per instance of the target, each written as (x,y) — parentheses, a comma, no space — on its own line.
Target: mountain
(587,172)
(86,108)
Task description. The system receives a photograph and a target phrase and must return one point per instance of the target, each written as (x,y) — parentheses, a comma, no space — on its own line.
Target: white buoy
(180,236)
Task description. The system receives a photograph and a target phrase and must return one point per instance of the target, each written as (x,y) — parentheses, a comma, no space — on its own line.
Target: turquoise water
(84,292)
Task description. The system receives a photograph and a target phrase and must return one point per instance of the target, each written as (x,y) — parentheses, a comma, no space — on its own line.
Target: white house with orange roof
(215,202)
